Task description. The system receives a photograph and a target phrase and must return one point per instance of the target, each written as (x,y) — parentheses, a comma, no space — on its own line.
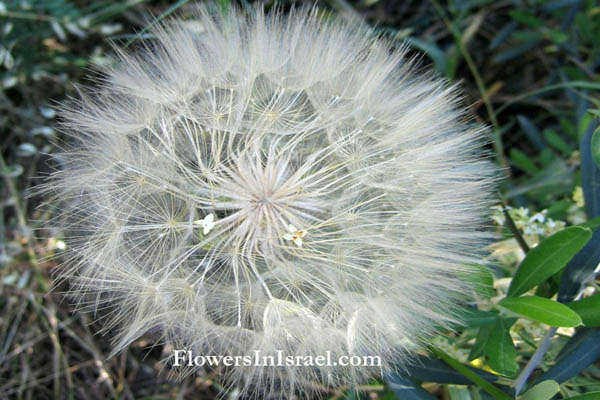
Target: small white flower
(295,235)
(539,217)
(207,223)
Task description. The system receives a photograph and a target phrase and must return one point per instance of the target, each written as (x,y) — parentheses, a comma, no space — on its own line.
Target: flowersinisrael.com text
(186,358)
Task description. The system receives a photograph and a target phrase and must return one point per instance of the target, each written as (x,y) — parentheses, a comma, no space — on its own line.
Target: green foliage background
(529,70)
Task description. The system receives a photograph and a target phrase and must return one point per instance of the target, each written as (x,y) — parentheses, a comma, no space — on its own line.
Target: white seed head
(272,182)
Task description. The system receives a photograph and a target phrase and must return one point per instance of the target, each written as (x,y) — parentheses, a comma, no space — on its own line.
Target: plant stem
(32,17)
(14,193)
(534,361)
(495,392)
(515,231)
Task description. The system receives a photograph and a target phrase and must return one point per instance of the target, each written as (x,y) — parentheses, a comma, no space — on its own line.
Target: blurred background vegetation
(529,70)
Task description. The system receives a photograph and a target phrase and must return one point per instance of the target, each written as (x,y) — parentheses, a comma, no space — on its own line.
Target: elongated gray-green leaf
(543,310)
(549,257)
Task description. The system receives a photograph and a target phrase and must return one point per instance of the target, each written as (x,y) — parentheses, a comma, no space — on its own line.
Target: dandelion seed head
(272,182)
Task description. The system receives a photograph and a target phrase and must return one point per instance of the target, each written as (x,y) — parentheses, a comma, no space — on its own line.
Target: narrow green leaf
(580,269)
(459,393)
(582,266)
(590,172)
(558,210)
(586,396)
(595,147)
(549,257)
(557,142)
(542,391)
(592,224)
(500,349)
(580,351)
(563,85)
(586,123)
(439,58)
(503,34)
(546,157)
(224,5)
(474,318)
(531,131)
(432,369)
(406,389)
(481,279)
(588,309)
(513,52)
(557,36)
(472,376)
(522,161)
(528,35)
(543,310)
(526,18)
(555,178)
(482,338)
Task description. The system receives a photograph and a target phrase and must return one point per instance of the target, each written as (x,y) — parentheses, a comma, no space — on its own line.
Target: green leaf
(556,36)
(580,269)
(558,210)
(406,389)
(557,142)
(481,279)
(528,35)
(554,179)
(503,34)
(431,369)
(513,52)
(549,257)
(592,224)
(582,266)
(542,391)
(569,84)
(459,393)
(543,310)
(595,147)
(482,338)
(586,396)
(590,172)
(439,58)
(586,126)
(472,376)
(526,18)
(580,351)
(500,349)
(473,318)
(522,161)
(531,131)
(388,396)
(588,309)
